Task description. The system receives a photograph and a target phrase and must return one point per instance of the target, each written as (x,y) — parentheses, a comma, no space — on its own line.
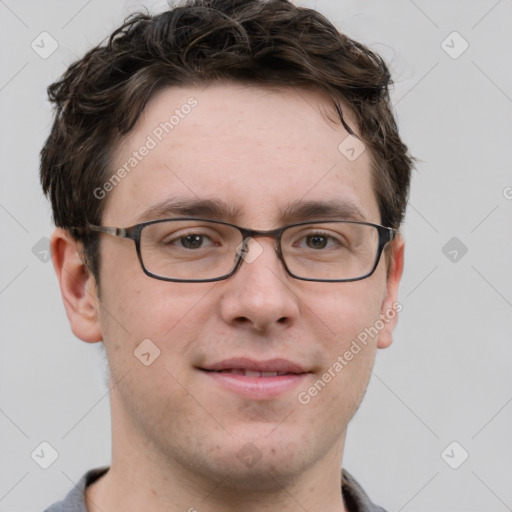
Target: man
(227,182)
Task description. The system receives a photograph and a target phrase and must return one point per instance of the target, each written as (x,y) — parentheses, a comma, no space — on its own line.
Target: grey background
(446,378)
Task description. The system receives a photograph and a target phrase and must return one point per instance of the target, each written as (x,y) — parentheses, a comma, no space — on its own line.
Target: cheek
(350,315)
(136,307)
(348,309)
(149,331)
(347,360)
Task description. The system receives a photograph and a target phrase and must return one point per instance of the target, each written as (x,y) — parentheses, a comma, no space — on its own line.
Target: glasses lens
(330,250)
(200,250)
(189,249)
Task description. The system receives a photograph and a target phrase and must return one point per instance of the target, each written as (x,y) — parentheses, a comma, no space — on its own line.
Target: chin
(266,472)
(262,460)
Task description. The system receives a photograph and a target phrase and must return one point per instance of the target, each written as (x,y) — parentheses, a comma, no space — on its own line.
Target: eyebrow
(218,209)
(323,210)
(207,208)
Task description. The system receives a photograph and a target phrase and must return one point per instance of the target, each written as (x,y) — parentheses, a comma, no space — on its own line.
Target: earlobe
(77,285)
(390,305)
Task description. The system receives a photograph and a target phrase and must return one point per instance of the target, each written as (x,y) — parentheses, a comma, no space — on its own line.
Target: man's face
(258,151)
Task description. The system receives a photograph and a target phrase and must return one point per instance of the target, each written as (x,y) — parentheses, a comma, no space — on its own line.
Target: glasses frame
(386,235)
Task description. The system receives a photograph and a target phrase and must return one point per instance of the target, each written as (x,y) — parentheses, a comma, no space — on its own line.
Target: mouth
(250,373)
(257,380)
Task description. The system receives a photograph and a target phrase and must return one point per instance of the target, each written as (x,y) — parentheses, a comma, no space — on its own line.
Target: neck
(142,478)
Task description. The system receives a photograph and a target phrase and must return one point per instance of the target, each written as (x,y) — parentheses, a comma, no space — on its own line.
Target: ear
(390,305)
(77,286)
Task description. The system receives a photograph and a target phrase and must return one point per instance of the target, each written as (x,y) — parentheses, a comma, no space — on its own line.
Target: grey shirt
(355,498)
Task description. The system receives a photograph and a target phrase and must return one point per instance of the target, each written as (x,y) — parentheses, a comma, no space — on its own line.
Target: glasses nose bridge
(275,234)
(271,233)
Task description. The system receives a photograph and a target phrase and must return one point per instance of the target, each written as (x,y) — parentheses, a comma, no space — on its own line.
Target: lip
(244,363)
(290,375)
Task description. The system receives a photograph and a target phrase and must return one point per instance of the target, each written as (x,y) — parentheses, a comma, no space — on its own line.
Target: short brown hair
(100,97)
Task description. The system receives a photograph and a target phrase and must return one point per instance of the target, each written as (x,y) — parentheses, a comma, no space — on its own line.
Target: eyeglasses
(192,250)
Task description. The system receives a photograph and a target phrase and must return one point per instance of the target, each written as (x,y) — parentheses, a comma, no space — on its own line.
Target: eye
(189,241)
(193,241)
(318,241)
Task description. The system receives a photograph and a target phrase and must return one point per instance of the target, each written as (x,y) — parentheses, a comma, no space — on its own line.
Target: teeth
(236,372)
(253,373)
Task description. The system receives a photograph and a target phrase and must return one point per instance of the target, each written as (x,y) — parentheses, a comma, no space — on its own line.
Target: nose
(260,296)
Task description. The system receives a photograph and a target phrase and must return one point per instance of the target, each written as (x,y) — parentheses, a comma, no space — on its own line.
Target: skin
(176,435)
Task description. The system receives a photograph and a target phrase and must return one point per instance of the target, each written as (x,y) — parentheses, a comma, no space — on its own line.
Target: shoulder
(74,500)
(355,497)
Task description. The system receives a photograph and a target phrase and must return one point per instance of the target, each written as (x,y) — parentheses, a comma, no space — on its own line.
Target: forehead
(258,150)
